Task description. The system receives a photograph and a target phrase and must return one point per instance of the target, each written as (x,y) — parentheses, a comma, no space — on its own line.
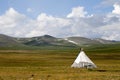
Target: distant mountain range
(47,40)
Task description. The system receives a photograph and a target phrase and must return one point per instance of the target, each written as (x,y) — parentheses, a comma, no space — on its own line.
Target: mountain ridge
(47,40)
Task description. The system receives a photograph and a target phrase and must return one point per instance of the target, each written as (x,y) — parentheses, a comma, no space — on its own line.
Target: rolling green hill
(50,42)
(82,41)
(41,42)
(45,40)
(7,41)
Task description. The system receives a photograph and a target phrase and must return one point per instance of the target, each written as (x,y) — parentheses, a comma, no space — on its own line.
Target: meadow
(56,65)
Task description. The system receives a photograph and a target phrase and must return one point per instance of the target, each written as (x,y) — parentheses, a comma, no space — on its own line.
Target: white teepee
(82,61)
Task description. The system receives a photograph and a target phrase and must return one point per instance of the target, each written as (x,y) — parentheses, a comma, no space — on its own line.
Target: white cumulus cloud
(77,12)
(76,23)
(14,23)
(116,9)
(110,31)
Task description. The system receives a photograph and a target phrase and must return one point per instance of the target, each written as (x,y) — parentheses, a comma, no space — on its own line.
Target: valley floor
(56,65)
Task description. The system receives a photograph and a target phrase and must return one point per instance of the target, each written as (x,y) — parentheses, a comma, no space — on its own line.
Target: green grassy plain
(56,65)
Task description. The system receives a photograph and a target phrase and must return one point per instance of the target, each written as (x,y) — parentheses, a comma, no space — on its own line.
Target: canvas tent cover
(82,61)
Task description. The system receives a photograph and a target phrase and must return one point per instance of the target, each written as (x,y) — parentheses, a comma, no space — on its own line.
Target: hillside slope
(81,41)
(47,41)
(7,41)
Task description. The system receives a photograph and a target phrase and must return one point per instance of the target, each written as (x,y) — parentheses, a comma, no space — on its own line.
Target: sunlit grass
(55,65)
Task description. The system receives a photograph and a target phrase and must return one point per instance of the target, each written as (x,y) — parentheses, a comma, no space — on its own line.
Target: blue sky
(61,18)
(51,7)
